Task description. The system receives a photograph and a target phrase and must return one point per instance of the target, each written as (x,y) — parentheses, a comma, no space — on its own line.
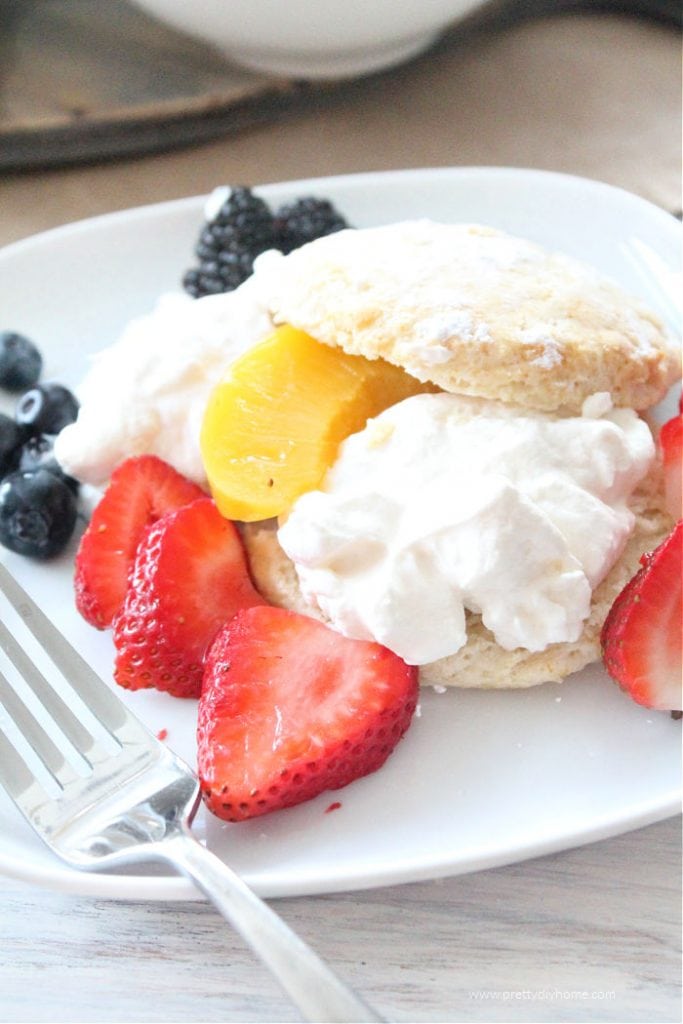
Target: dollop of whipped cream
(146,393)
(445,503)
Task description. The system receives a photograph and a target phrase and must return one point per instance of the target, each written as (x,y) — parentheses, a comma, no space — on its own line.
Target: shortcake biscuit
(477,312)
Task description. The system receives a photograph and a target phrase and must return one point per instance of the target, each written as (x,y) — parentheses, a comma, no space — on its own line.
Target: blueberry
(46,409)
(38,453)
(11,437)
(20,361)
(37,513)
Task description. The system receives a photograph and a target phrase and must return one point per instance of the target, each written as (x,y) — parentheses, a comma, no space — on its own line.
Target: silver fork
(104,793)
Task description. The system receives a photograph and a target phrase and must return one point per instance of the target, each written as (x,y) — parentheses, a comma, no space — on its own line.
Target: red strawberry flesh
(141,489)
(641,637)
(290,708)
(190,576)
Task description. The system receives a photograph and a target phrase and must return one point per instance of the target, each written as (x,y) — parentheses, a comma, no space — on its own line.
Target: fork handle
(308,981)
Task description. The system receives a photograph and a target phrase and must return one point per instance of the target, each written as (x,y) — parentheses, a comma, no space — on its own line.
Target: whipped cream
(146,394)
(445,503)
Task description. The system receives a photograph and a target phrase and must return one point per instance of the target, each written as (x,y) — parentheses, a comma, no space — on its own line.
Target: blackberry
(46,409)
(20,361)
(305,220)
(199,283)
(222,273)
(229,242)
(37,513)
(38,453)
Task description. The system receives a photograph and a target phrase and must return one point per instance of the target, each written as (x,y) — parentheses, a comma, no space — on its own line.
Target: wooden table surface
(590,934)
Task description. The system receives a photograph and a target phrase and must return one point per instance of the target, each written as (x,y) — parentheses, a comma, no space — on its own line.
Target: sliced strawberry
(290,708)
(641,637)
(190,575)
(141,490)
(671,444)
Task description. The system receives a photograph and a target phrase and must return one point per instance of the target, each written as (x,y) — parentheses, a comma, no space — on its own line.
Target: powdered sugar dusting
(551,353)
(432,335)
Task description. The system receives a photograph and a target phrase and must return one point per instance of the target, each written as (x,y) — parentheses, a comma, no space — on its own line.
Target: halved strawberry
(641,637)
(290,708)
(141,490)
(671,444)
(190,575)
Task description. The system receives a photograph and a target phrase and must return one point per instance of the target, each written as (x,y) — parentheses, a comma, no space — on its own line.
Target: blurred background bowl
(313,38)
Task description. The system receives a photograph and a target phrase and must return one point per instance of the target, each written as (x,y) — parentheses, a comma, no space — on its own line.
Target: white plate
(481,779)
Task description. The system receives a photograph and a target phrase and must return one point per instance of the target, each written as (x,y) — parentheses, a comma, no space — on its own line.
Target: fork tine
(69,724)
(87,684)
(15,775)
(38,739)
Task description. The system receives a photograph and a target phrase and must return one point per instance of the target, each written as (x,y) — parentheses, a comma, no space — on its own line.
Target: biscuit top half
(476,312)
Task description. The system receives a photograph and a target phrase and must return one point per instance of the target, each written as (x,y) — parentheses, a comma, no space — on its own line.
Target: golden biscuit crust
(477,312)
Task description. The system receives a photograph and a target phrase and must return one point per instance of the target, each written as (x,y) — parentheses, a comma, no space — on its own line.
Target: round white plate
(481,778)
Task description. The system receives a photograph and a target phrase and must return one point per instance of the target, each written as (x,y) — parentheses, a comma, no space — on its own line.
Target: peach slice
(273,425)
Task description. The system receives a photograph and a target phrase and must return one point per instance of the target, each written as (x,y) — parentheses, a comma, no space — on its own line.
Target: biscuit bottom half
(482,663)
